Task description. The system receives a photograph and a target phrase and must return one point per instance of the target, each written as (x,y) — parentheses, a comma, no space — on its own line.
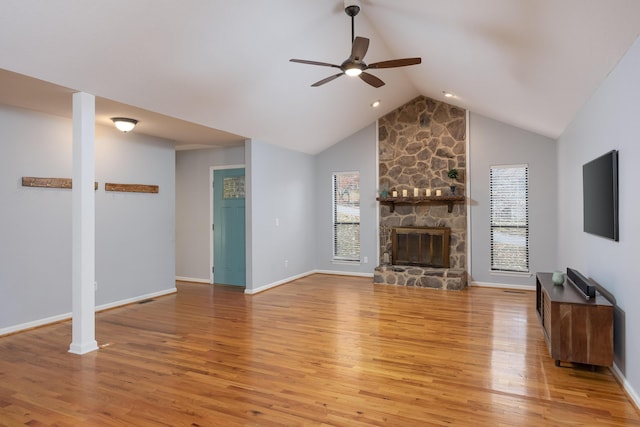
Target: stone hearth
(422,277)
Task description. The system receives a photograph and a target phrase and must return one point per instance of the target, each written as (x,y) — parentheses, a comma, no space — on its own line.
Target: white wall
(495,143)
(135,253)
(356,153)
(193,210)
(610,120)
(281,184)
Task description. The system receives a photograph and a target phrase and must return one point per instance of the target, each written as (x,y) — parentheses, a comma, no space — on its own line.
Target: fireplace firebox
(420,246)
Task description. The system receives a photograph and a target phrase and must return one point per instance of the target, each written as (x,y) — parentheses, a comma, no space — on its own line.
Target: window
(346,216)
(509,218)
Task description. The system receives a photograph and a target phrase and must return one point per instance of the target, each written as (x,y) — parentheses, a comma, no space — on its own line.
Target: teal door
(229,259)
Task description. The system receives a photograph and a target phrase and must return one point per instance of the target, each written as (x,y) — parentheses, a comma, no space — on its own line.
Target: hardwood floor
(323,350)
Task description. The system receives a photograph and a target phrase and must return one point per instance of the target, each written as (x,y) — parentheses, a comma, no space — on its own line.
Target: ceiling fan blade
(327,80)
(371,79)
(324,64)
(359,48)
(396,63)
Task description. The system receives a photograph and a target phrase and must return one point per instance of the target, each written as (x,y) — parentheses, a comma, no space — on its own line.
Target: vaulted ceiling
(213,72)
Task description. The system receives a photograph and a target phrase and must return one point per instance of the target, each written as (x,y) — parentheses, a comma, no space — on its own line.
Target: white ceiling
(190,69)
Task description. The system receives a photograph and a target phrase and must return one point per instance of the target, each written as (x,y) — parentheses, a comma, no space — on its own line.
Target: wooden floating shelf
(131,188)
(30,181)
(422,200)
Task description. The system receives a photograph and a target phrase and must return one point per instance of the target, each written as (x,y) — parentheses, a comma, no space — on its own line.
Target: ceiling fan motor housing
(352,7)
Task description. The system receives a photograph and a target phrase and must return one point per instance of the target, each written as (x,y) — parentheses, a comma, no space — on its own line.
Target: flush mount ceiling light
(447,94)
(123,124)
(376,103)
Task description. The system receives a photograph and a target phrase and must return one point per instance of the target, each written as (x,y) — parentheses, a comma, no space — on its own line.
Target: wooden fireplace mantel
(422,200)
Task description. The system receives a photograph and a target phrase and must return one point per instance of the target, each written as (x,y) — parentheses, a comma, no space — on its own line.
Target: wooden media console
(577,329)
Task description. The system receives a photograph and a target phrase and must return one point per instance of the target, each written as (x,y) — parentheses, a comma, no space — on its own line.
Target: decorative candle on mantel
(404,193)
(394,194)
(428,192)
(438,192)
(415,192)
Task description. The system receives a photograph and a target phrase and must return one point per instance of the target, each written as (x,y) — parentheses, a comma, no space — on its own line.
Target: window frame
(517,222)
(334,221)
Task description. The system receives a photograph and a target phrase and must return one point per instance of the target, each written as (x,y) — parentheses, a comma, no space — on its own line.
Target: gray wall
(281,186)
(495,143)
(610,120)
(135,253)
(356,153)
(193,210)
(35,224)
(135,232)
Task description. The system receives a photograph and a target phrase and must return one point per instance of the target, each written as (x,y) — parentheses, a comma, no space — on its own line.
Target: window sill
(510,273)
(344,262)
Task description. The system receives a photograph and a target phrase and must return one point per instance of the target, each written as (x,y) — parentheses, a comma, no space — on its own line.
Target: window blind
(346,216)
(509,218)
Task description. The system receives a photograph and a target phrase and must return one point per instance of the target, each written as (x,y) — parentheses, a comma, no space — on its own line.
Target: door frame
(211,169)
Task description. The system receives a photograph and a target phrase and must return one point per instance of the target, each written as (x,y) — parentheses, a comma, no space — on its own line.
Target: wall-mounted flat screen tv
(600,195)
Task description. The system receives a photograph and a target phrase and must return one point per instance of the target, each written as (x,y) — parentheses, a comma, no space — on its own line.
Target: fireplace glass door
(420,246)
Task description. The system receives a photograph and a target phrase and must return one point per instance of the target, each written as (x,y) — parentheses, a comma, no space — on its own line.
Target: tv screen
(600,195)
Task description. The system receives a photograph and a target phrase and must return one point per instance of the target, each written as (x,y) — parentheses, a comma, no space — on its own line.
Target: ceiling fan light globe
(353,72)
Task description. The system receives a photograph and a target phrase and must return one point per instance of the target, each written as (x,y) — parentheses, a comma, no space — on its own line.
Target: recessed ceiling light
(375,103)
(447,94)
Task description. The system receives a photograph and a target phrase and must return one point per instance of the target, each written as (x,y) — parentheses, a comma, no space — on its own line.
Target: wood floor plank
(321,351)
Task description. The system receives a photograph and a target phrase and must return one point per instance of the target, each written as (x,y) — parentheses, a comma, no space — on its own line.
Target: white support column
(83,218)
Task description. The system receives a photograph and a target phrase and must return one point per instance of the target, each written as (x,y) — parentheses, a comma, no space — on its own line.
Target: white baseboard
(135,299)
(34,324)
(84,348)
(503,286)
(193,279)
(300,276)
(278,283)
(67,316)
(627,387)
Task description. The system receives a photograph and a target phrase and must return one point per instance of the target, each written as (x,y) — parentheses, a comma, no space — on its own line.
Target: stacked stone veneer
(418,143)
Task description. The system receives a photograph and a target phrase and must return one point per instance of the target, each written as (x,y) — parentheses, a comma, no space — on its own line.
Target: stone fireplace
(418,143)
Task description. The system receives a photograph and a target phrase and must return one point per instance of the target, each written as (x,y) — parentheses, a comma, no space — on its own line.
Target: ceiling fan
(354,65)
